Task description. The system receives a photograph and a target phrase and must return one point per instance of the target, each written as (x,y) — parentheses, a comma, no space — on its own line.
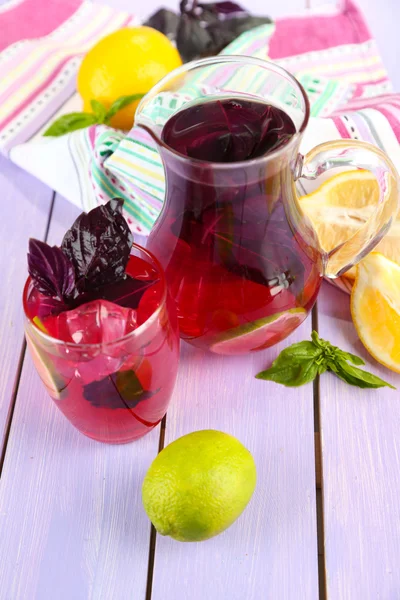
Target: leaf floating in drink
(121,390)
(300,363)
(226,131)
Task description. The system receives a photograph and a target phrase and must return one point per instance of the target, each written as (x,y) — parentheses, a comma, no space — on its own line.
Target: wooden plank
(361,466)
(318,461)
(271,551)
(24,209)
(71,521)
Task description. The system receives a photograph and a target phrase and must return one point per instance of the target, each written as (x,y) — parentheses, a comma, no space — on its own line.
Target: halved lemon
(375,308)
(339,207)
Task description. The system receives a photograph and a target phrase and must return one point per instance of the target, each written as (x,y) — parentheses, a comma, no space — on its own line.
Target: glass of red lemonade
(109,368)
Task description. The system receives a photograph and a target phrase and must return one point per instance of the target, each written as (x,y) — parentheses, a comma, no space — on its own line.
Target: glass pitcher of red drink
(243,263)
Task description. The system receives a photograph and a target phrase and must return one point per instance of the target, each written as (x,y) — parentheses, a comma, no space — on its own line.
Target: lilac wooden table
(71,522)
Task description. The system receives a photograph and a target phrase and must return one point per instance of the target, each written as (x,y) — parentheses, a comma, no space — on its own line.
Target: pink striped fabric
(34,19)
(298,35)
(41,45)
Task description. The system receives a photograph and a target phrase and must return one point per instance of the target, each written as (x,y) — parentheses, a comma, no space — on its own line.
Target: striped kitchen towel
(42,43)
(331,52)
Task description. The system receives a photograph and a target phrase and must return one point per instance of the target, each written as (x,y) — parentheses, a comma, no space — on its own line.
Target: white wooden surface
(360,434)
(271,552)
(72,526)
(29,212)
(71,522)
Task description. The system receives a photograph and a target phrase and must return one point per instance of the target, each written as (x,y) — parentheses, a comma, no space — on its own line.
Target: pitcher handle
(350,153)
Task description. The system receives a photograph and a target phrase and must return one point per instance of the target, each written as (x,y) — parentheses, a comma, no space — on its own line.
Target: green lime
(199,485)
(259,334)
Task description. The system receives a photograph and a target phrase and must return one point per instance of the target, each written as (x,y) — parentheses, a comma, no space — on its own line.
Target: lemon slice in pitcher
(341,205)
(375,308)
(259,334)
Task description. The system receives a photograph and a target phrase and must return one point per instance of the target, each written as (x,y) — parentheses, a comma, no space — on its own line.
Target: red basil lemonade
(236,267)
(101,327)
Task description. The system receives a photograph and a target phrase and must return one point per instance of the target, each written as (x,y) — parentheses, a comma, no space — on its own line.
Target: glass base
(118,441)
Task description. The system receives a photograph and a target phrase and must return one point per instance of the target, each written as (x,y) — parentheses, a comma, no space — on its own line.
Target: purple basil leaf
(126,292)
(192,40)
(50,306)
(186,7)
(223,32)
(51,271)
(204,29)
(239,24)
(119,390)
(214,146)
(276,130)
(225,9)
(98,245)
(166,21)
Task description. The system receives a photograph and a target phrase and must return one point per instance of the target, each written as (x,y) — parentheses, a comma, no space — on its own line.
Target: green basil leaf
(119,104)
(319,342)
(356,360)
(348,378)
(99,110)
(322,367)
(70,122)
(300,363)
(356,376)
(290,374)
(300,351)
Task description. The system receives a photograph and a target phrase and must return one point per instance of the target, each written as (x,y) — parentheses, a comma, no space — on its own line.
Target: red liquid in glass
(233,259)
(113,391)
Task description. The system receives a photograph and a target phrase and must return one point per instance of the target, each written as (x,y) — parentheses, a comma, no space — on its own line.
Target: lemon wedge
(375,308)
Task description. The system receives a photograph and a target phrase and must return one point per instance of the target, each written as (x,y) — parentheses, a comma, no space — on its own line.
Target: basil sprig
(100,115)
(300,363)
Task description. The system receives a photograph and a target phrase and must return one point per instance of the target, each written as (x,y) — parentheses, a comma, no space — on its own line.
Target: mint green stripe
(129,207)
(319,104)
(130,152)
(142,144)
(133,177)
(106,185)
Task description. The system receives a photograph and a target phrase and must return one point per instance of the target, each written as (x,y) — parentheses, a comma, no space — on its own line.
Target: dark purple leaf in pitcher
(98,245)
(226,131)
(276,129)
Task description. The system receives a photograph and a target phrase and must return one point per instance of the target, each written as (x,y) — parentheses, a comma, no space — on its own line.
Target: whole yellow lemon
(129,61)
